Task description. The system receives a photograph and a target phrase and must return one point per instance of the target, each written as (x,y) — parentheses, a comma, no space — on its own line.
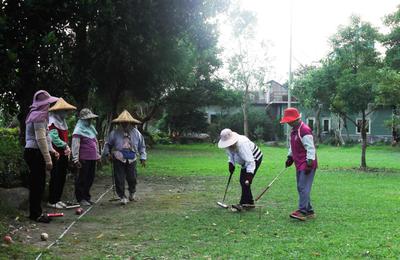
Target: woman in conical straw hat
(37,152)
(123,146)
(85,153)
(58,132)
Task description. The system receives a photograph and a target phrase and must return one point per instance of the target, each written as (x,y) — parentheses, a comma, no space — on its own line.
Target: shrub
(13,170)
(260,125)
(161,138)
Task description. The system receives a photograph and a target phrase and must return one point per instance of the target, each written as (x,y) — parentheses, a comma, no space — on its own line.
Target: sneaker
(238,207)
(85,203)
(298,215)
(248,206)
(133,197)
(72,205)
(55,205)
(91,202)
(310,214)
(43,219)
(124,201)
(64,205)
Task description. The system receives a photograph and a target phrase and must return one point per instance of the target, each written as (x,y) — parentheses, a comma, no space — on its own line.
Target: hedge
(13,170)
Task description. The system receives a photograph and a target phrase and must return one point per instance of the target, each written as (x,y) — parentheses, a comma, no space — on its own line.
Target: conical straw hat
(125,117)
(61,104)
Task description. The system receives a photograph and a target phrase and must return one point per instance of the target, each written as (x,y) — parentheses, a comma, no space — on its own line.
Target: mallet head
(222,205)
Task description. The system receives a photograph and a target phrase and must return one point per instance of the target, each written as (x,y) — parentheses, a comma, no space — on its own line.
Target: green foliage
(391,40)
(315,86)
(389,87)
(34,38)
(248,69)
(260,127)
(357,82)
(357,58)
(161,138)
(184,121)
(96,52)
(12,166)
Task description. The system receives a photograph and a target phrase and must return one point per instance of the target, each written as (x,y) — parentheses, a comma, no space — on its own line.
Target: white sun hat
(227,138)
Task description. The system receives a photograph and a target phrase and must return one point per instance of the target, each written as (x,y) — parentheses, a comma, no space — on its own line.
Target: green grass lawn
(177,216)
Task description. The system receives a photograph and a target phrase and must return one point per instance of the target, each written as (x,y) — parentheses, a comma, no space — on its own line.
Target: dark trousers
(57,179)
(247,196)
(124,171)
(84,180)
(304,184)
(36,180)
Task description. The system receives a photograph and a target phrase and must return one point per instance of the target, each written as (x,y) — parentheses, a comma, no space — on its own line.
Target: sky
(314,22)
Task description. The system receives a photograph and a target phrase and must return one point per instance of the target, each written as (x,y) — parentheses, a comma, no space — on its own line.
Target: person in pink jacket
(302,153)
(38,151)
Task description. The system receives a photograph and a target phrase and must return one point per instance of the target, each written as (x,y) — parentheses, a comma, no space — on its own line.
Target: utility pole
(290,55)
(289,103)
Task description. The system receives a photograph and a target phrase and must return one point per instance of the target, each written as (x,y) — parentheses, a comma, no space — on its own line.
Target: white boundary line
(73,223)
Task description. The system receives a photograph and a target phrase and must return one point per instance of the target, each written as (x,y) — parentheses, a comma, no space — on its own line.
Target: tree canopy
(95,52)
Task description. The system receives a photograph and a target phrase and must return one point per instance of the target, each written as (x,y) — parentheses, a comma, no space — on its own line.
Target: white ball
(44,236)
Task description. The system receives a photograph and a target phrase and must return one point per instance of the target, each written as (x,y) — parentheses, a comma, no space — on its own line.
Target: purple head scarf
(40,107)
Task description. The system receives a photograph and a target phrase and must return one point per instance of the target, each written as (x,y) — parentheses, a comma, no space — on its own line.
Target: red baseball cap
(290,114)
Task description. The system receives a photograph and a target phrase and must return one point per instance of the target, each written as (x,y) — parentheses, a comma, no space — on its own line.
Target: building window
(358,128)
(311,122)
(326,125)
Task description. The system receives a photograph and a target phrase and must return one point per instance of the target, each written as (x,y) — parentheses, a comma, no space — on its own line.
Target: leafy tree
(315,87)
(391,40)
(99,52)
(390,84)
(357,82)
(159,49)
(248,69)
(259,125)
(33,39)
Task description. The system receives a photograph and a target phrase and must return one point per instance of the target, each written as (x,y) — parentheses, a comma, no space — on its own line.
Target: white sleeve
(308,143)
(290,151)
(230,157)
(142,146)
(76,143)
(246,154)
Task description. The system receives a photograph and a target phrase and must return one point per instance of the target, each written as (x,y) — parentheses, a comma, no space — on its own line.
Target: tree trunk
(81,58)
(345,127)
(272,118)
(245,110)
(25,95)
(145,118)
(364,142)
(318,125)
(22,127)
(340,137)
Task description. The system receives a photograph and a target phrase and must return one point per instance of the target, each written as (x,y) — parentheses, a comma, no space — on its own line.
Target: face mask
(86,122)
(62,113)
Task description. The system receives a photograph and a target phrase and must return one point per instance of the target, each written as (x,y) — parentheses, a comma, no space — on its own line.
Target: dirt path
(160,193)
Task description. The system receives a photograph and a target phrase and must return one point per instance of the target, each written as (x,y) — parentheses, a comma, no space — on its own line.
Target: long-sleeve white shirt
(308,143)
(245,153)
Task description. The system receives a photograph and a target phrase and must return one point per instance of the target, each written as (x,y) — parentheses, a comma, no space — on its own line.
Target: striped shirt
(245,153)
